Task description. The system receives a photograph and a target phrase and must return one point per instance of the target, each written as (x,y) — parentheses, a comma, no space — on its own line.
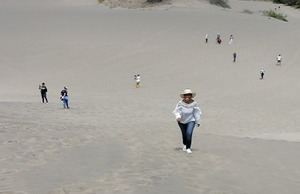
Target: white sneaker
(184,148)
(189,151)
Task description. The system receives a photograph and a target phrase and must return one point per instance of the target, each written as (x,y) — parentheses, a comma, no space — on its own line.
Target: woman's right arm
(176,112)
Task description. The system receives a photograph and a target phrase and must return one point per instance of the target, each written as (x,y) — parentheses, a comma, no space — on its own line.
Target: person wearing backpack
(43,89)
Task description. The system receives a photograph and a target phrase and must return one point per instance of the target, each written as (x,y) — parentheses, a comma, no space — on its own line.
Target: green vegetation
(276,15)
(248,11)
(294,3)
(100,1)
(221,3)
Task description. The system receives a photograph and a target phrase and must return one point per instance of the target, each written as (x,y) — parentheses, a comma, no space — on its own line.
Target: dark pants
(234,59)
(262,76)
(206,40)
(44,97)
(187,133)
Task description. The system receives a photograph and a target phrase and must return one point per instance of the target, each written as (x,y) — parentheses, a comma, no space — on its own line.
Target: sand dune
(119,139)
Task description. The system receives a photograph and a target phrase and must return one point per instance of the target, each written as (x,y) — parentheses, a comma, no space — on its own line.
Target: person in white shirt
(230,39)
(187,113)
(206,38)
(262,73)
(137,80)
(279,58)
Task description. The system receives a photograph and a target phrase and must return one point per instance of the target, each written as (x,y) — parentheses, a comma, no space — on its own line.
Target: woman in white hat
(187,115)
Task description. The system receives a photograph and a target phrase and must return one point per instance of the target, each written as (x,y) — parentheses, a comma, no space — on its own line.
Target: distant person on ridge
(279,59)
(64,97)
(262,73)
(234,57)
(206,38)
(137,80)
(43,89)
(230,39)
(219,40)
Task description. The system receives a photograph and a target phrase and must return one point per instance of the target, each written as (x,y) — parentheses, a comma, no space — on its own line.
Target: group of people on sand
(187,111)
(63,95)
(262,70)
(219,39)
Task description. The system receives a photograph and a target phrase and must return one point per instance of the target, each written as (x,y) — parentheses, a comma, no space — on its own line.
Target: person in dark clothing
(64,97)
(64,91)
(234,57)
(44,91)
(262,73)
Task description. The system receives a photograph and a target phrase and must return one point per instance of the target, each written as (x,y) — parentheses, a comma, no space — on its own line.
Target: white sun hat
(187,91)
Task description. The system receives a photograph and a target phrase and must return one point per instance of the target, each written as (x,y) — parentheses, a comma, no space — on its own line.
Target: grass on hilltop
(294,3)
(148,1)
(276,15)
(221,3)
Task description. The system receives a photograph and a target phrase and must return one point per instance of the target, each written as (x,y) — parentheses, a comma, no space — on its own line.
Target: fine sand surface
(119,139)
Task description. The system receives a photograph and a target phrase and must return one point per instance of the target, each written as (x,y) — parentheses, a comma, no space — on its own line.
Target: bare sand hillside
(119,139)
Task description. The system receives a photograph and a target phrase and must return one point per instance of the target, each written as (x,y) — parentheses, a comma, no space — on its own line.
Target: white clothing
(187,112)
(138,79)
(279,58)
(206,36)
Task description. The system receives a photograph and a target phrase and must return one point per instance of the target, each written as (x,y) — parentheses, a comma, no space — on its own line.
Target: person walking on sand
(219,40)
(187,115)
(262,73)
(43,89)
(206,38)
(230,39)
(234,57)
(279,59)
(64,97)
(137,80)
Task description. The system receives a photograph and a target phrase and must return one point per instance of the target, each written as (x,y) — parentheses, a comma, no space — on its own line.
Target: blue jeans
(187,133)
(66,102)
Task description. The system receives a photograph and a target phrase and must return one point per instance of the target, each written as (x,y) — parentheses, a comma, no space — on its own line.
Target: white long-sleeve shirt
(279,57)
(138,79)
(187,112)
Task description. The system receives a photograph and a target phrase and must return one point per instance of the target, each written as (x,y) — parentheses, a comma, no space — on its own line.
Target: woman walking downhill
(187,115)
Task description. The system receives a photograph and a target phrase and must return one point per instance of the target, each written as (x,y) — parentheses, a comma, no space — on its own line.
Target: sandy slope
(120,139)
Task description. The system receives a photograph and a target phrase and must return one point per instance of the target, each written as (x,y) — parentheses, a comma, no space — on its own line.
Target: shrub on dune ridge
(154,1)
(221,3)
(276,15)
(294,3)
(140,1)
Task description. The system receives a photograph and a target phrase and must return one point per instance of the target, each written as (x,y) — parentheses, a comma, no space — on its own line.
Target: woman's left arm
(197,115)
